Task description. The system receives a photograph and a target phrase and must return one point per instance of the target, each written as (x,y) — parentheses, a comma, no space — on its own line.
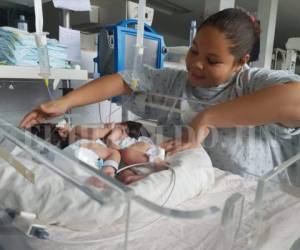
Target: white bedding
(57,202)
(73,210)
(167,233)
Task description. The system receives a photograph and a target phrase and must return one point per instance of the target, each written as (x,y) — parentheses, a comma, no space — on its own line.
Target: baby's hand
(187,141)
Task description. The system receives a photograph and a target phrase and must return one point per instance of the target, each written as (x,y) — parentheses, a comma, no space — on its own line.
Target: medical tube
(193,30)
(43,57)
(141,23)
(41,43)
(139,47)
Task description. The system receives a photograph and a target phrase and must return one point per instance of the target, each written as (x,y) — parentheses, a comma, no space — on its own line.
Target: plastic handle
(128,22)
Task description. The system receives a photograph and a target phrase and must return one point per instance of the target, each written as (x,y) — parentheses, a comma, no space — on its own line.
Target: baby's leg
(128,176)
(135,153)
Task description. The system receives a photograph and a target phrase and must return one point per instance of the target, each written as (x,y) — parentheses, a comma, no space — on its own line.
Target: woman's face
(209,61)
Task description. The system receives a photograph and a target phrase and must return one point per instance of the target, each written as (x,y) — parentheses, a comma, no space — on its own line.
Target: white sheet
(57,202)
(166,233)
(149,231)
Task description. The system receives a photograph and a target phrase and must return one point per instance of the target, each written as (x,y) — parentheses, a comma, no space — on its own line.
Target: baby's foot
(109,171)
(130,179)
(128,176)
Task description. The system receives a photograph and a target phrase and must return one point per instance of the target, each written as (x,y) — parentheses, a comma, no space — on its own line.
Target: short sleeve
(164,81)
(279,131)
(254,79)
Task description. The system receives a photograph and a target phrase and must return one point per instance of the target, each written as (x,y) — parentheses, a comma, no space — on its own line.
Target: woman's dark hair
(49,132)
(241,29)
(136,129)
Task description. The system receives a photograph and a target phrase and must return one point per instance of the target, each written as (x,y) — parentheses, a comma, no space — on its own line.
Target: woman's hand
(44,112)
(188,140)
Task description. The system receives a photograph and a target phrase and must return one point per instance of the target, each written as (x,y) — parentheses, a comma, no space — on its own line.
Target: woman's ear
(239,64)
(245,59)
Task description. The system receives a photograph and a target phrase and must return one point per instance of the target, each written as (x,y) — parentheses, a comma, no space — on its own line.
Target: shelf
(17,72)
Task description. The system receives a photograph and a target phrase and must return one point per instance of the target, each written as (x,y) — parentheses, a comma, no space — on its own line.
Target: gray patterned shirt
(254,150)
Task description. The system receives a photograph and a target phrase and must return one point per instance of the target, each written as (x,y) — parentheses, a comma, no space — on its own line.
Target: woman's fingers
(42,113)
(176,145)
(33,118)
(28,120)
(169,144)
(181,147)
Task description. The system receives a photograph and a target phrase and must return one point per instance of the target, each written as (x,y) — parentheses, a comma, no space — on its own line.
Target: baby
(104,147)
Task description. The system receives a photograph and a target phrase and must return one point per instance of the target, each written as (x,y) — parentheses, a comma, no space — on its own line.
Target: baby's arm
(91,133)
(110,156)
(115,135)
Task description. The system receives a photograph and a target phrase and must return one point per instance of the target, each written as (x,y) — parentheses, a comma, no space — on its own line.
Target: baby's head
(135,129)
(224,42)
(50,133)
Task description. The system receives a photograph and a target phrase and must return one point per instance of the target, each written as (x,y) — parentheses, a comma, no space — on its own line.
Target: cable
(147,165)
(127,101)
(99,110)
(110,107)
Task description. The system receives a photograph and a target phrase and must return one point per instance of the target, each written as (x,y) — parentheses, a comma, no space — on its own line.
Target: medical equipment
(133,13)
(22,23)
(139,46)
(31,227)
(219,219)
(288,56)
(175,58)
(49,158)
(116,47)
(193,30)
(276,185)
(292,47)
(41,43)
(10,236)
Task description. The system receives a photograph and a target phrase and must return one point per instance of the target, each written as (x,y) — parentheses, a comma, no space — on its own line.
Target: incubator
(77,205)
(190,205)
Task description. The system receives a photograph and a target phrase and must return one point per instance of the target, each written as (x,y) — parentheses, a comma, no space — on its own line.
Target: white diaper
(83,154)
(155,152)
(125,143)
(87,156)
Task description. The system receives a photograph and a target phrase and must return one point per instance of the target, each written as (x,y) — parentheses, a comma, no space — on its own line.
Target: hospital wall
(16,102)
(27,94)
(24,96)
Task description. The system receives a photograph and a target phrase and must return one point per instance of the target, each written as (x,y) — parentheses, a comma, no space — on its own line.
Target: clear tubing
(39,22)
(43,58)
(41,42)
(139,48)
(193,30)
(141,22)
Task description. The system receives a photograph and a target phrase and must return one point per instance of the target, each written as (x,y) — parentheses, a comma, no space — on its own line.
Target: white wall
(95,113)
(14,104)
(25,96)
